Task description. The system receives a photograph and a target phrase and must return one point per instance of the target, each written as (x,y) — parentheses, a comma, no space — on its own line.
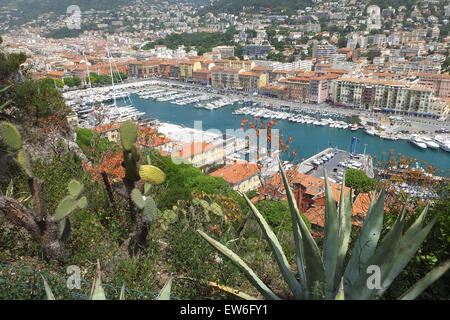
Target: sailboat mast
(87,70)
(112,77)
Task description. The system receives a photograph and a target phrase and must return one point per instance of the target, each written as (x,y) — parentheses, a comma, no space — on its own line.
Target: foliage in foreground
(324,276)
(98,293)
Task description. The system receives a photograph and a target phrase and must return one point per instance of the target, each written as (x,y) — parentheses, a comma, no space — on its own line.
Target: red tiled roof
(237,172)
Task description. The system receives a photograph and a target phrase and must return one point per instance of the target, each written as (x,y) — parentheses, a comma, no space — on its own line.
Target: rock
(52,146)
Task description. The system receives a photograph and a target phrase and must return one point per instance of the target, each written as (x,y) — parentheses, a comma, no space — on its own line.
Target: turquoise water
(307,139)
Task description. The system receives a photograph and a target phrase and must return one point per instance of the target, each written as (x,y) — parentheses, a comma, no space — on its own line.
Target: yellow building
(187,68)
(200,154)
(109,131)
(242,177)
(252,81)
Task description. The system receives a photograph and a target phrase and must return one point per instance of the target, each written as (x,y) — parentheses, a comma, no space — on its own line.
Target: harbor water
(307,140)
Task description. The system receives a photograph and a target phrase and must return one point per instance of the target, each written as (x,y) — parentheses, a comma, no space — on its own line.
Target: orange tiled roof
(108,127)
(236,173)
(191,149)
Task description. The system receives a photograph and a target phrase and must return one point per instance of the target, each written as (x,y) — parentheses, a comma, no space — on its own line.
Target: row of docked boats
(424,142)
(183,98)
(283,115)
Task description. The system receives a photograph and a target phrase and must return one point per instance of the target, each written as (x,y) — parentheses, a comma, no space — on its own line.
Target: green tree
(359,181)
(38,99)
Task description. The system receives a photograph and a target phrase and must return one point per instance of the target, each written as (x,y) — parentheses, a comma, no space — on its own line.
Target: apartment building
(188,67)
(143,69)
(225,77)
(405,66)
(257,51)
(391,96)
(224,51)
(252,81)
(246,65)
(440,83)
(323,50)
(202,76)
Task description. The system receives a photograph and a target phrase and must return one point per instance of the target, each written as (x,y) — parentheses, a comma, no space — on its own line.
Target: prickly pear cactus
(72,202)
(146,204)
(10,136)
(128,135)
(152,174)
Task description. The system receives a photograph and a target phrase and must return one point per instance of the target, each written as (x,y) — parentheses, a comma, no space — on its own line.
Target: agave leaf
(340,295)
(280,257)
(309,261)
(417,224)
(164,294)
(122,292)
(406,249)
(366,243)
(98,291)
(426,281)
(249,273)
(10,189)
(3,106)
(345,228)
(233,291)
(298,239)
(48,290)
(4,89)
(331,241)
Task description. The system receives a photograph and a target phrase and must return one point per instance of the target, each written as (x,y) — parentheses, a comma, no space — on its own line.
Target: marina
(176,104)
(308,139)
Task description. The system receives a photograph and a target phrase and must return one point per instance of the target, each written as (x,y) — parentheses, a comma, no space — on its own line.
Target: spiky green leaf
(10,189)
(122,292)
(248,272)
(365,245)
(331,241)
(280,257)
(164,294)
(48,290)
(425,282)
(98,293)
(309,261)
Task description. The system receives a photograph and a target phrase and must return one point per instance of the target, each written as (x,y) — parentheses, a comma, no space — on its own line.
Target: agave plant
(98,293)
(323,275)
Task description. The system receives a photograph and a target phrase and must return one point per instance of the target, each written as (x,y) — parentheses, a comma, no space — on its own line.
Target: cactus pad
(75,188)
(22,159)
(150,210)
(138,199)
(152,174)
(10,136)
(128,134)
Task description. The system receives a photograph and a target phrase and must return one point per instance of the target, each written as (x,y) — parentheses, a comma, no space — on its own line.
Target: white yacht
(430,143)
(370,131)
(418,142)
